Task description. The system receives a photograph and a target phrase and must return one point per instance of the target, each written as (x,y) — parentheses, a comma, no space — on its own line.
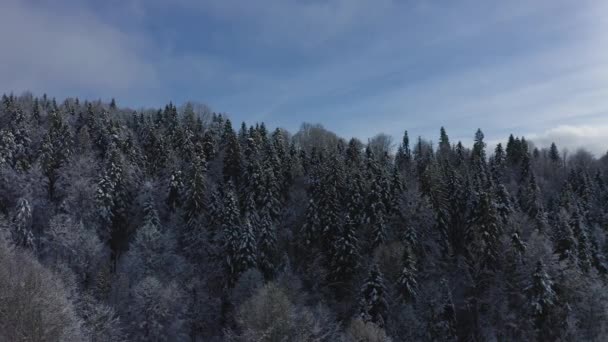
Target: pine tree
(344,256)
(407,283)
(195,191)
(113,200)
(232,157)
(403,159)
(542,298)
(267,245)
(22,232)
(503,203)
(498,164)
(479,147)
(372,304)
(582,238)
(397,190)
(486,230)
(56,149)
(176,186)
(565,244)
(554,154)
(444,144)
(445,320)
(245,256)
(353,153)
(531,202)
(209,148)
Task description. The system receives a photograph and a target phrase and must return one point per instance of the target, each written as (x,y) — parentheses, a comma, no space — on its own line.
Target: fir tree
(176,186)
(565,244)
(56,149)
(344,257)
(22,232)
(554,154)
(407,283)
(195,191)
(444,328)
(232,157)
(245,251)
(444,144)
(542,298)
(372,304)
(582,238)
(267,245)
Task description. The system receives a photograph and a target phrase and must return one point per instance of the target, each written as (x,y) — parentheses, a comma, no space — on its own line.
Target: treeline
(173,225)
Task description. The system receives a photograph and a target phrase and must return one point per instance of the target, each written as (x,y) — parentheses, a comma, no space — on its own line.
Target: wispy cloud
(591,138)
(67,49)
(357,66)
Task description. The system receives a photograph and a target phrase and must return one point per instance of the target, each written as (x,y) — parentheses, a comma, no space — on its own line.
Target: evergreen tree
(344,257)
(176,186)
(479,147)
(113,199)
(565,244)
(582,238)
(407,283)
(444,328)
(245,252)
(56,149)
(444,144)
(554,154)
(195,191)
(486,231)
(22,230)
(232,156)
(353,153)
(267,245)
(542,299)
(373,305)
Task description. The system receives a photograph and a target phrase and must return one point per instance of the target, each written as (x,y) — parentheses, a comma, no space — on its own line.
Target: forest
(176,224)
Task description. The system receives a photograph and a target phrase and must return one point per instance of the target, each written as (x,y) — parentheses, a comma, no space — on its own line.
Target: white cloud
(64,49)
(592,138)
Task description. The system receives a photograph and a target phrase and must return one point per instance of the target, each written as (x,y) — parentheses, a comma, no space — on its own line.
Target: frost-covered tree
(195,187)
(372,303)
(22,225)
(542,298)
(56,149)
(344,255)
(407,283)
(267,245)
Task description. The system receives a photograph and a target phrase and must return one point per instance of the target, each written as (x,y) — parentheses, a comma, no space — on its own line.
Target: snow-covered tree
(372,303)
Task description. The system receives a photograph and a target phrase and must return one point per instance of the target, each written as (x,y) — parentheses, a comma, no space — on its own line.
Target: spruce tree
(176,186)
(267,245)
(195,191)
(583,244)
(444,144)
(344,256)
(245,253)
(55,151)
(22,220)
(542,299)
(372,304)
(407,283)
(565,244)
(444,328)
(232,155)
(554,154)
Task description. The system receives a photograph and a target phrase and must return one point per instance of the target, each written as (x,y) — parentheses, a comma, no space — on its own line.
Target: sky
(534,68)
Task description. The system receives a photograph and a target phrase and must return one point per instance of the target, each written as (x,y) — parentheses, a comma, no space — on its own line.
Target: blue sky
(534,68)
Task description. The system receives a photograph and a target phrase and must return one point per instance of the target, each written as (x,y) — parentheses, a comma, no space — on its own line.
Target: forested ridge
(178,225)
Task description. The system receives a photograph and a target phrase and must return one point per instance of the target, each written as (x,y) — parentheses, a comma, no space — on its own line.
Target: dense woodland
(177,225)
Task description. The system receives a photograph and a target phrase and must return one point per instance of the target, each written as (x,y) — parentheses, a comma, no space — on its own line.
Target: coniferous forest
(179,225)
